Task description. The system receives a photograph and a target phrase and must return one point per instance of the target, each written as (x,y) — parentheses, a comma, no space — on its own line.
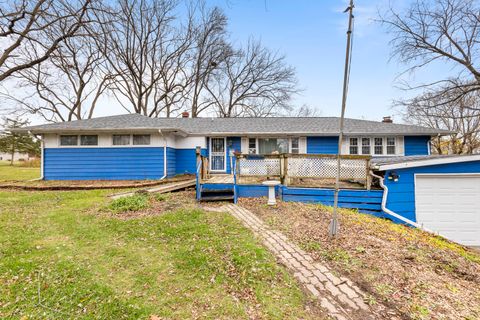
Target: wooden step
(217,198)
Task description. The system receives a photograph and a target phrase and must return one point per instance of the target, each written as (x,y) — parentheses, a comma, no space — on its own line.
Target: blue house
(395,157)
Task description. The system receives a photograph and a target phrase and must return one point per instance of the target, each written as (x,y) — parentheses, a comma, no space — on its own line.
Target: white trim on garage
(458,217)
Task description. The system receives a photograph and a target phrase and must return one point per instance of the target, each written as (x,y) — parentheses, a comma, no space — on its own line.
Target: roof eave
(426,162)
(91,130)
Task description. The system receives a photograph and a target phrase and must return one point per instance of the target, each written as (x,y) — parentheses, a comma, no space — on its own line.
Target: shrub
(135,202)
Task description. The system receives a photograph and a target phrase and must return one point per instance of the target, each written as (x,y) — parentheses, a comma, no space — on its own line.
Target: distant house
(438,193)
(17,156)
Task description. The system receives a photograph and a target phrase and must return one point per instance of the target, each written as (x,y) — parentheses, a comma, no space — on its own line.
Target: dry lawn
(420,275)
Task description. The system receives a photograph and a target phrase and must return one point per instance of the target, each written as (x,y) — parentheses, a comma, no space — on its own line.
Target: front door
(217,155)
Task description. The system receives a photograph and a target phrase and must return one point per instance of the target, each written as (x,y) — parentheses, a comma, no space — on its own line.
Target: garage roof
(390,163)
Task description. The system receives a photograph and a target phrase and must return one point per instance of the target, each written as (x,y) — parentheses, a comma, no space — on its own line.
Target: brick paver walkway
(338,295)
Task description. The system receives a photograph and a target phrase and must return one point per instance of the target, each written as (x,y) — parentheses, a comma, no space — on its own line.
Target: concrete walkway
(337,295)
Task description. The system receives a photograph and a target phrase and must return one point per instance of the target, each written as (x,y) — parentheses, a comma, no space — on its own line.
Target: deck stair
(216,192)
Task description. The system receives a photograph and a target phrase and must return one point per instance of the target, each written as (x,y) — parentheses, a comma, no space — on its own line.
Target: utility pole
(334,226)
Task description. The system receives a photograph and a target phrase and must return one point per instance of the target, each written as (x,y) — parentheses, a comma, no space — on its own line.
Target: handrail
(234,179)
(197,177)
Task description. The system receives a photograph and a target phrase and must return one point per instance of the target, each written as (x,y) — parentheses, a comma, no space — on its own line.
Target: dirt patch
(420,275)
(40,185)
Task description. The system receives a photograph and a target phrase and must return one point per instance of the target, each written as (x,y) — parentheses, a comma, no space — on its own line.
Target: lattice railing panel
(355,169)
(259,167)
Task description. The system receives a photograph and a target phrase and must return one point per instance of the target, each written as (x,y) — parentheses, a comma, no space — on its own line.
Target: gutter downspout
(164,155)
(42,157)
(390,212)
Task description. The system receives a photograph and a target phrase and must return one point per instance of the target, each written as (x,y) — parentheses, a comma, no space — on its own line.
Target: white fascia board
(427,162)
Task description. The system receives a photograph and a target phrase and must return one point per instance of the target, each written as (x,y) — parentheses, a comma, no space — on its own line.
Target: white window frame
(141,134)
(130,138)
(369,146)
(69,146)
(395,145)
(383,139)
(290,145)
(359,145)
(272,137)
(87,145)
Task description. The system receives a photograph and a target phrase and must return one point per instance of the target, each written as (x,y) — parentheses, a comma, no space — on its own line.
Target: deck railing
(298,169)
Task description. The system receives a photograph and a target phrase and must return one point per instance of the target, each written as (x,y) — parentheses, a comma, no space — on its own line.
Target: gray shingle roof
(412,161)
(233,126)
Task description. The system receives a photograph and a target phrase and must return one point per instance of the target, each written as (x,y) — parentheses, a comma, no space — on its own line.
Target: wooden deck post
(198,153)
(368,181)
(286,179)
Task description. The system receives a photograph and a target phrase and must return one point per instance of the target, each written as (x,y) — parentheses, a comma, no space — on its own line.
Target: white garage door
(450,205)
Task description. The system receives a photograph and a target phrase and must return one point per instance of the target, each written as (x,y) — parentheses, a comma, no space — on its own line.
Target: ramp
(168,187)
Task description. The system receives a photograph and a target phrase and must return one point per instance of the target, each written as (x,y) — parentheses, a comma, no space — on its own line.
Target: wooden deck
(219,178)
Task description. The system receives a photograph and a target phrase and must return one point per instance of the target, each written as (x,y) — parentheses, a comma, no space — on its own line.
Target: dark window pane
(68,140)
(365,145)
(378,146)
(121,139)
(252,146)
(272,145)
(89,140)
(141,139)
(353,150)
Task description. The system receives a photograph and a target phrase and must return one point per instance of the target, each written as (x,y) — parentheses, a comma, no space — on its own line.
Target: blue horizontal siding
(416,145)
(401,194)
(322,145)
(363,200)
(186,160)
(253,191)
(171,162)
(103,163)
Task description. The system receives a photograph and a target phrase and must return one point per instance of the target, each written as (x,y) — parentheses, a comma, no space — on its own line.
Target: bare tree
(462,117)
(210,49)
(304,111)
(442,31)
(252,82)
(144,45)
(68,85)
(38,28)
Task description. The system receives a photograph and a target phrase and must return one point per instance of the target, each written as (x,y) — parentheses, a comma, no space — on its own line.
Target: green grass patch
(17,172)
(178,265)
(135,202)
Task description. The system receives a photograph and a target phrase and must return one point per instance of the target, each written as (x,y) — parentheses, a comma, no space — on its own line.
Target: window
(141,139)
(88,140)
(295,145)
(378,148)
(365,145)
(121,139)
(391,145)
(353,145)
(68,140)
(272,146)
(252,146)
